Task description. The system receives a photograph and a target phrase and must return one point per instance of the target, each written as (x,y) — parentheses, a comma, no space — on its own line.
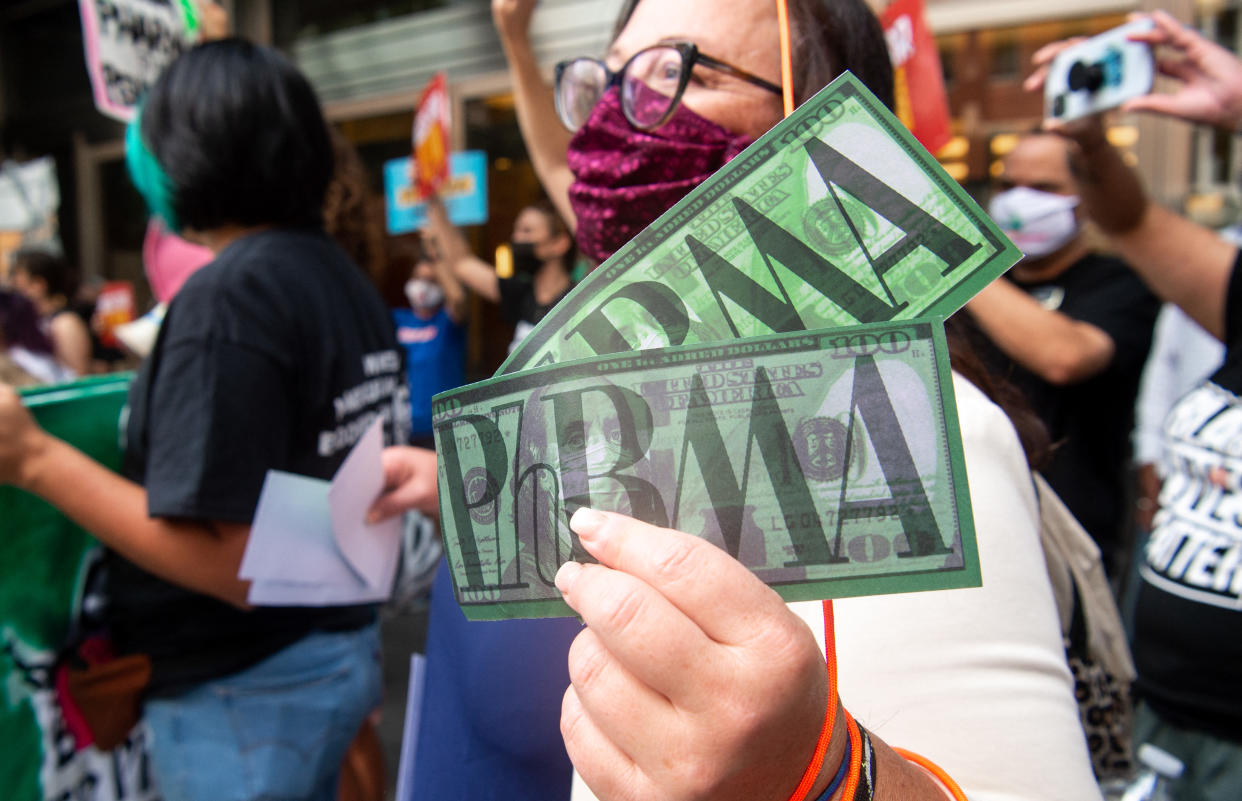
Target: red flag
(431,138)
(918,81)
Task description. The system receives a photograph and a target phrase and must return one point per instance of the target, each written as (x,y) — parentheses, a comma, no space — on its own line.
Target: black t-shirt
(1188,619)
(518,304)
(1091,421)
(277,355)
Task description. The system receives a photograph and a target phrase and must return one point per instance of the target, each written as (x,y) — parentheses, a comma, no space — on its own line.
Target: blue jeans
(276,731)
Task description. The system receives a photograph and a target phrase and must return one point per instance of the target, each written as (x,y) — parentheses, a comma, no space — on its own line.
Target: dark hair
(19,323)
(830,37)
(962,334)
(240,134)
(350,214)
(833,36)
(557,227)
(59,275)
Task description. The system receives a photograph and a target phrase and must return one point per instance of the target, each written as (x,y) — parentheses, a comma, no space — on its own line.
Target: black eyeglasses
(651,82)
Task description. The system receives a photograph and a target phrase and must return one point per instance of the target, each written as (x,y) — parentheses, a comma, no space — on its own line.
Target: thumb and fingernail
(587,524)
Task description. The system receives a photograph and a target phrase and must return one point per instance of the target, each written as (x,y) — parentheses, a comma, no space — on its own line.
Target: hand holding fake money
(824,458)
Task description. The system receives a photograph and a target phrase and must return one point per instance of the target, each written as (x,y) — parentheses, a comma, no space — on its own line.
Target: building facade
(369,58)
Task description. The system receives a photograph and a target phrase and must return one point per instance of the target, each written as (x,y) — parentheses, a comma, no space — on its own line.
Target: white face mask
(423,294)
(1039,223)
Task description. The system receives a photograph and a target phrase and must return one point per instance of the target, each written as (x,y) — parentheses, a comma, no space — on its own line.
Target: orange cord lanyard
(782,16)
(830,640)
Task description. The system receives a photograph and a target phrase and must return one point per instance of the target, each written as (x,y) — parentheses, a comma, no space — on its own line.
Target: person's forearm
(72,342)
(456,304)
(897,779)
(547,140)
(479,276)
(1182,262)
(833,757)
(454,293)
(74,351)
(455,253)
(1054,346)
(1111,192)
(195,555)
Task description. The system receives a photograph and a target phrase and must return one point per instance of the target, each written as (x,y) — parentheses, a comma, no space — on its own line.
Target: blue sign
(465,194)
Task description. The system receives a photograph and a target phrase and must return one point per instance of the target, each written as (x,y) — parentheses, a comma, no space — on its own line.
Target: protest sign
(29,206)
(128,43)
(432,123)
(918,80)
(46,563)
(464,194)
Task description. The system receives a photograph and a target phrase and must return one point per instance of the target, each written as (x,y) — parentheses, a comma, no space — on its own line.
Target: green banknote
(824,461)
(837,216)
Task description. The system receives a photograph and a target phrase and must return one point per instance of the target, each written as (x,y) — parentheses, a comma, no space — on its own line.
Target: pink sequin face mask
(625,178)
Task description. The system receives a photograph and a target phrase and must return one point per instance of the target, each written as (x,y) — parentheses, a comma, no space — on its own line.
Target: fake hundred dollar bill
(824,461)
(837,216)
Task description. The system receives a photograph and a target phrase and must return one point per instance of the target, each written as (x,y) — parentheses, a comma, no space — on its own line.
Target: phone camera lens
(1085,76)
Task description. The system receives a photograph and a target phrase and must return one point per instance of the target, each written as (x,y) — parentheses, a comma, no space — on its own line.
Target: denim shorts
(276,731)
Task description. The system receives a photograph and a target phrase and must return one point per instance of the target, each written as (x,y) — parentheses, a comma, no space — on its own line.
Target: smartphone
(1101,73)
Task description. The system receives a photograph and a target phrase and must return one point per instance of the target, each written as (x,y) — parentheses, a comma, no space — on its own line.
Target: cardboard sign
(918,80)
(464,193)
(431,138)
(128,43)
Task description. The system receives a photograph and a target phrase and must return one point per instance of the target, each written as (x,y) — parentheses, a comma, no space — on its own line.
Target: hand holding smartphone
(1099,73)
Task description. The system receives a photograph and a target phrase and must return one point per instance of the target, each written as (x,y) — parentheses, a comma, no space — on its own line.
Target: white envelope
(371,549)
(309,543)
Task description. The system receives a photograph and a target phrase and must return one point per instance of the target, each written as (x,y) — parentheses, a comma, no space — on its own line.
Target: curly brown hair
(964,339)
(350,213)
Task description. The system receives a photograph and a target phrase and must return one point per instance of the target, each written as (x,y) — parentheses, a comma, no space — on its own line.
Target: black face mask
(525,262)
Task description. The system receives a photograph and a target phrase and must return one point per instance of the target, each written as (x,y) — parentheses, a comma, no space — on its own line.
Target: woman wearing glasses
(694,86)
(700,92)
(692,680)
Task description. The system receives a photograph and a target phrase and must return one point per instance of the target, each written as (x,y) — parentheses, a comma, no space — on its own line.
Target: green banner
(44,564)
(828,462)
